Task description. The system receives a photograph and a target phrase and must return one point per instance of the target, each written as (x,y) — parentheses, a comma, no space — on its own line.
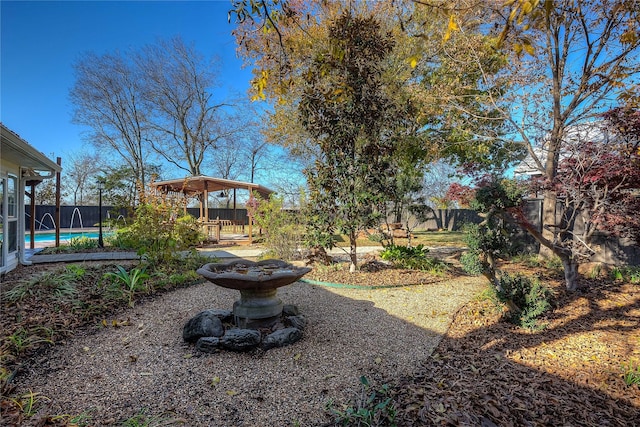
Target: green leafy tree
(346,111)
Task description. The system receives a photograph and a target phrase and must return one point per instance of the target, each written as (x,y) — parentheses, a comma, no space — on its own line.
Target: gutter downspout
(22,258)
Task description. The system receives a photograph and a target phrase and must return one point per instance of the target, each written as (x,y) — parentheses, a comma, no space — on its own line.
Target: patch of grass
(631,374)
(23,340)
(426,238)
(27,403)
(60,284)
(80,420)
(438,238)
(629,274)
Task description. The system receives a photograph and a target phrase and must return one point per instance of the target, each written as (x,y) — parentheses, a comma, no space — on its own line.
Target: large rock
(290,310)
(281,338)
(240,339)
(208,344)
(207,323)
(298,322)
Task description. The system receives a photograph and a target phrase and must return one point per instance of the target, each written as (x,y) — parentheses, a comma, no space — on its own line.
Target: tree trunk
(548,219)
(570,273)
(353,254)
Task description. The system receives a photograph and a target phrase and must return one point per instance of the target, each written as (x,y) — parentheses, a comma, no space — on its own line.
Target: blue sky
(40,41)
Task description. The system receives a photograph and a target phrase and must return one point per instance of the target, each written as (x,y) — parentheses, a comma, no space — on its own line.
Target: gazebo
(204,185)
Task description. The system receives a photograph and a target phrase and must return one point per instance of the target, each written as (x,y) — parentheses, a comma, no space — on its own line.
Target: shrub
(283,233)
(530,296)
(159,230)
(413,258)
(82,242)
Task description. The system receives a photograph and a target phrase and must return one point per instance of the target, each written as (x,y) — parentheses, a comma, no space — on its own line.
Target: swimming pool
(65,236)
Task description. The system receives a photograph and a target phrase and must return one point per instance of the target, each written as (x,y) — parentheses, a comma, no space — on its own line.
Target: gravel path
(145,367)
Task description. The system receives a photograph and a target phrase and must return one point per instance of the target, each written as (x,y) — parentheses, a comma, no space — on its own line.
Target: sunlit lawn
(427,238)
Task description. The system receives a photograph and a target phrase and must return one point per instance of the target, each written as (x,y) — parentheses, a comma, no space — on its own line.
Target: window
(12,197)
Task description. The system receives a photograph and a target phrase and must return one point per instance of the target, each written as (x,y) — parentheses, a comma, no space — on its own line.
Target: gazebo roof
(198,184)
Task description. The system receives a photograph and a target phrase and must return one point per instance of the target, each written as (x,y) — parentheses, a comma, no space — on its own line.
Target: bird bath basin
(258,283)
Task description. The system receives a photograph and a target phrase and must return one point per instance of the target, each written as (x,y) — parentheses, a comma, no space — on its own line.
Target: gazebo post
(250,218)
(205,202)
(235,214)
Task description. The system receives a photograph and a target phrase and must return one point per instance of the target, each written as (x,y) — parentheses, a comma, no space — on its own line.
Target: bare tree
(46,192)
(255,151)
(226,163)
(82,167)
(244,151)
(107,100)
(178,84)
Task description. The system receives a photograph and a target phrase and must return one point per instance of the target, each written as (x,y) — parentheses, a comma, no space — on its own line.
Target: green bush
(471,263)
(159,231)
(413,258)
(530,296)
(283,233)
(82,242)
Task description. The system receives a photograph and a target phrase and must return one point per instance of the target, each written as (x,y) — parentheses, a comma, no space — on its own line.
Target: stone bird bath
(259,317)
(258,283)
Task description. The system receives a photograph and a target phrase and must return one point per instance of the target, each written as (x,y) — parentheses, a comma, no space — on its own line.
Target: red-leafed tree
(461,194)
(598,188)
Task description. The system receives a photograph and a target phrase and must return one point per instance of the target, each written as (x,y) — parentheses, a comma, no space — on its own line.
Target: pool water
(64,236)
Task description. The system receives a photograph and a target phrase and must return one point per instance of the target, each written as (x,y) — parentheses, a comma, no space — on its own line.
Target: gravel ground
(144,367)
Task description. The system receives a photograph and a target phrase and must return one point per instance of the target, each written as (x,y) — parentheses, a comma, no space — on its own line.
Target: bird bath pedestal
(258,283)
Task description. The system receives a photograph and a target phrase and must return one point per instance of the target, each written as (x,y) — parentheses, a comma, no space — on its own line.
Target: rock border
(214,330)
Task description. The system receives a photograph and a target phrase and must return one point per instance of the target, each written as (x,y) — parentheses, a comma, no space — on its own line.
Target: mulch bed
(373,273)
(488,372)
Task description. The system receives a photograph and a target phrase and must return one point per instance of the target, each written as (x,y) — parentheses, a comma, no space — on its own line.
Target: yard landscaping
(581,368)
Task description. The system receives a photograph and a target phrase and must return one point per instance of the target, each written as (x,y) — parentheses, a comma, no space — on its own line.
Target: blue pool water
(64,236)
